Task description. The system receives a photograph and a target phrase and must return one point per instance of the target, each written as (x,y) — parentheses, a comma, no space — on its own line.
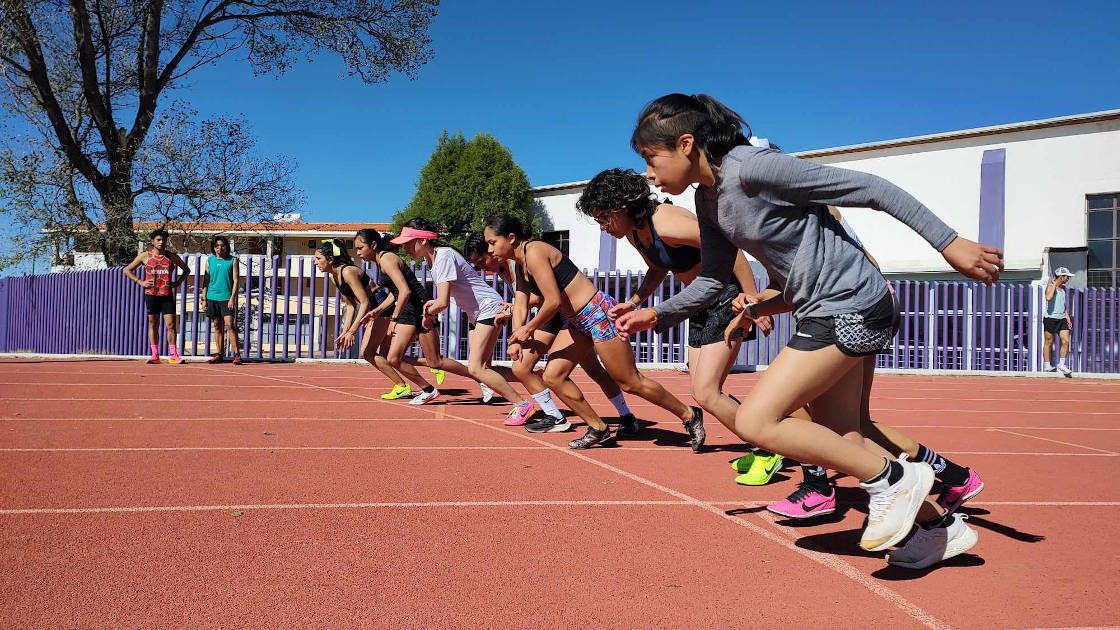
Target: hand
(765,325)
(620,309)
(522,334)
(741,321)
(513,350)
(503,315)
(391,329)
(344,341)
(739,304)
(428,306)
(147,284)
(635,321)
(367,318)
(974,260)
(232,304)
(429,322)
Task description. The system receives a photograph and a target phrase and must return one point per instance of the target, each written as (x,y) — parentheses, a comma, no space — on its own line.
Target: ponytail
(716,127)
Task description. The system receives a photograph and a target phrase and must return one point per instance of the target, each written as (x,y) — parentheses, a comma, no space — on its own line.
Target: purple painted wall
(945,325)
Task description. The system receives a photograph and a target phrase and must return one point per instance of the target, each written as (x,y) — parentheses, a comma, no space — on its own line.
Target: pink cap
(407,234)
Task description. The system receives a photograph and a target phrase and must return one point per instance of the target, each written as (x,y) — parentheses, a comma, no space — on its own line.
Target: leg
(172,332)
(234,342)
(482,341)
(618,359)
(531,352)
(153,329)
(1063,336)
(219,335)
(594,369)
(708,367)
(398,346)
(1047,347)
(562,359)
(433,358)
(371,341)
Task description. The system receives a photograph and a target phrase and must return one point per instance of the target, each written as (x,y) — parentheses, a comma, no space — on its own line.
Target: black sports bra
(344,286)
(565,271)
(678,259)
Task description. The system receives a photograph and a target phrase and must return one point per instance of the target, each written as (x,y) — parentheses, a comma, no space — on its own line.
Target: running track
(291,496)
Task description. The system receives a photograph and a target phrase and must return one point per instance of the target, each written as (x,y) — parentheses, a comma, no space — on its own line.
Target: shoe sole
(583,447)
(955,548)
(417,402)
(956,506)
(803,515)
(556,428)
(917,498)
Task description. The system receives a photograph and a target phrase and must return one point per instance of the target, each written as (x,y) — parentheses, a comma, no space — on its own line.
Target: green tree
(465,183)
(85,78)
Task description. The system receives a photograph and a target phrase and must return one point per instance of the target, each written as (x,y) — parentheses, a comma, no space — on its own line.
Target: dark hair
(219,239)
(503,224)
(159,232)
(379,240)
(716,127)
(326,248)
(475,246)
(420,223)
(619,190)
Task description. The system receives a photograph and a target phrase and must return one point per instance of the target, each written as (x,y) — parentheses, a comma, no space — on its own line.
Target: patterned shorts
(856,334)
(592,319)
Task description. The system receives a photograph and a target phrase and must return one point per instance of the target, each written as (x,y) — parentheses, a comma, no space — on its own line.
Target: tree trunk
(119,244)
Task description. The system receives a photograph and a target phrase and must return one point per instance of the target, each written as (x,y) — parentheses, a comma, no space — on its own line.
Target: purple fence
(287,310)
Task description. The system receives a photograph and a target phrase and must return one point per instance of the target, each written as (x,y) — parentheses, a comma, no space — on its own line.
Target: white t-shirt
(470,292)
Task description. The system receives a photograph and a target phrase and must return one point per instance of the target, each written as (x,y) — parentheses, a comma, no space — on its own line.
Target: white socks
(544,400)
(620,405)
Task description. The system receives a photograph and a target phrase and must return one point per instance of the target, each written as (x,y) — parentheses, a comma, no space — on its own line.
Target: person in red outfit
(159,291)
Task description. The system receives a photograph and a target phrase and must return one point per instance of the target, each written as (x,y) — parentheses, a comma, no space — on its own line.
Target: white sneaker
(891,511)
(930,546)
(487,392)
(424,397)
(1046,367)
(1065,370)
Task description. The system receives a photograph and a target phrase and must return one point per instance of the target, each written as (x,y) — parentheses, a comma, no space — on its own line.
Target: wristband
(751,311)
(654,313)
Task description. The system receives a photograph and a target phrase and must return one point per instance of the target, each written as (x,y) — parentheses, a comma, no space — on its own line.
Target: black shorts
(1054,325)
(412,315)
(707,326)
(216,309)
(554,325)
(160,304)
(489,321)
(856,334)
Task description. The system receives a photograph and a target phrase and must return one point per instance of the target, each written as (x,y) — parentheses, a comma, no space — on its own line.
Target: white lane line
(1027,435)
(969,504)
(270,448)
(326,506)
(831,561)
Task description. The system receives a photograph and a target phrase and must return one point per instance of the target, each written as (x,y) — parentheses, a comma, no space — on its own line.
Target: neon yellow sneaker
(440,375)
(742,464)
(398,391)
(762,469)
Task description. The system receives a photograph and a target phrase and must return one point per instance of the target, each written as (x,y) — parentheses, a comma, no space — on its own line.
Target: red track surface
(291,496)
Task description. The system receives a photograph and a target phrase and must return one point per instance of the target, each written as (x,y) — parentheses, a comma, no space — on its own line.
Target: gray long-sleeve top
(773,206)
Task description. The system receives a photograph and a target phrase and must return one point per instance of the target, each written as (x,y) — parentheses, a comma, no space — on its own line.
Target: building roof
(278,229)
(1061,121)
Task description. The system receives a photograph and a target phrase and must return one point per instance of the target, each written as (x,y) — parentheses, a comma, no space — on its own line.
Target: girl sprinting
(774,206)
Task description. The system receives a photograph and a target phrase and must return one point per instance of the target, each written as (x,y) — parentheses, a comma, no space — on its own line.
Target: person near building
(159,291)
(220,276)
(1056,321)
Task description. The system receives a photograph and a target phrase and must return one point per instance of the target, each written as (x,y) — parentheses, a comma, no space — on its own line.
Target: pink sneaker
(952,497)
(805,502)
(519,414)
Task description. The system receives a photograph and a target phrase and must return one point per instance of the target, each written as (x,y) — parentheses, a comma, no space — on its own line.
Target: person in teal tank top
(1056,321)
(220,274)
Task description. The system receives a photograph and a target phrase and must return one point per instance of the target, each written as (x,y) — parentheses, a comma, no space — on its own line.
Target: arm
(442,300)
(131,268)
(784,178)
(205,278)
(235,269)
(353,277)
(745,276)
(186,271)
(521,299)
(540,267)
(1050,289)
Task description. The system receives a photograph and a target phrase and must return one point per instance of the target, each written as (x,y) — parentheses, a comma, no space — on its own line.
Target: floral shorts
(592,320)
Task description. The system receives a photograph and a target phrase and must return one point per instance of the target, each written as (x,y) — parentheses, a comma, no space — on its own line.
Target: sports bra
(418,295)
(679,259)
(565,271)
(344,286)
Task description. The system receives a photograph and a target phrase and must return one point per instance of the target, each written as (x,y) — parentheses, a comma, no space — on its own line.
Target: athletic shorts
(593,321)
(1054,325)
(554,325)
(856,334)
(706,327)
(489,321)
(216,309)
(160,304)
(412,315)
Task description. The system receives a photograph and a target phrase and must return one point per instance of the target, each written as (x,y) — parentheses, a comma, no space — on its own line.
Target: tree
(465,183)
(74,72)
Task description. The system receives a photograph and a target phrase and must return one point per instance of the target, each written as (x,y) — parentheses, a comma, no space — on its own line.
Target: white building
(1026,187)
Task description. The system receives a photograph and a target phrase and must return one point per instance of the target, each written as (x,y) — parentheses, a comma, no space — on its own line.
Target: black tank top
(677,259)
(419,293)
(344,287)
(565,271)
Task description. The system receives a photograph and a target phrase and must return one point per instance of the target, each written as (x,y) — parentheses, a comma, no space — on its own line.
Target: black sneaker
(548,424)
(591,438)
(628,425)
(696,432)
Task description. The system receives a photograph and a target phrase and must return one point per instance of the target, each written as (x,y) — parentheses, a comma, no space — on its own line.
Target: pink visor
(407,234)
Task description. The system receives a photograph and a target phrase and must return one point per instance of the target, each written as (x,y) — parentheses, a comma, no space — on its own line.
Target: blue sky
(561,83)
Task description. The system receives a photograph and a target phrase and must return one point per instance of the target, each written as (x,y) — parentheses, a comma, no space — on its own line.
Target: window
(558,239)
(1101,233)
